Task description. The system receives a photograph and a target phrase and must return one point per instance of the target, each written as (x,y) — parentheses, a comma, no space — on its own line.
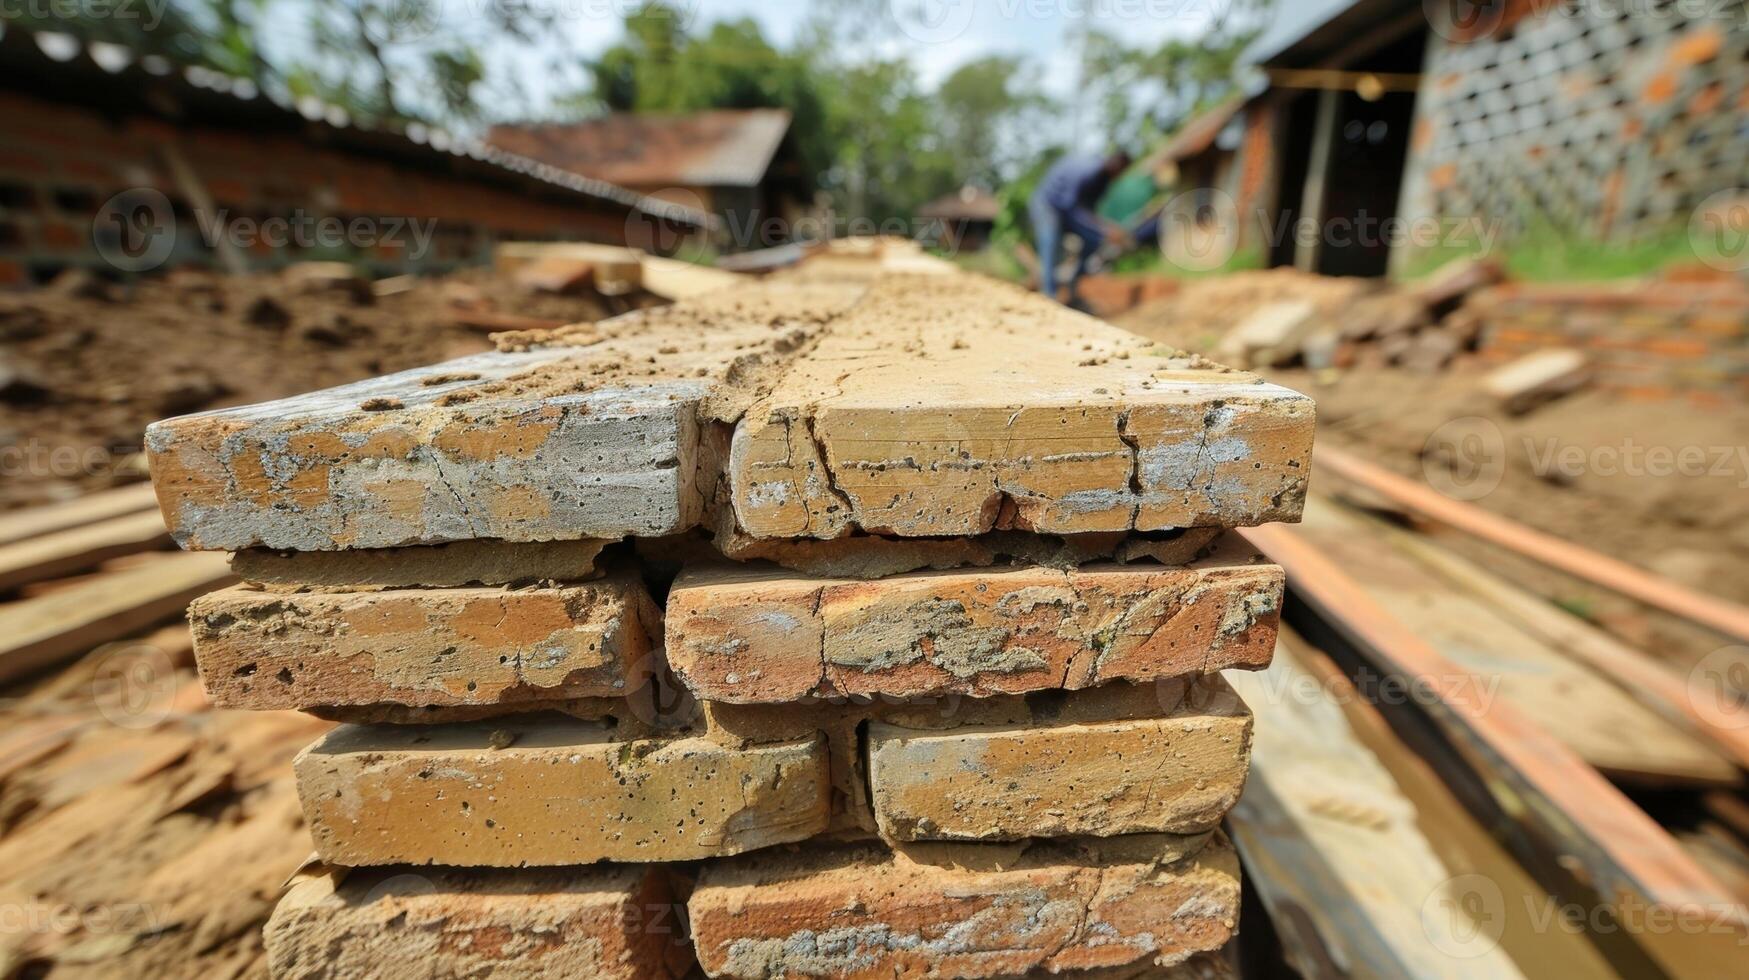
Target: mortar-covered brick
(965,910)
(842,721)
(952,405)
(411,458)
(592,431)
(763,636)
(551,791)
(613,923)
(1177,769)
(420,647)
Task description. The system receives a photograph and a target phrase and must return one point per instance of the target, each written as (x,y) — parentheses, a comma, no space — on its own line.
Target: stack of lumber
(866,621)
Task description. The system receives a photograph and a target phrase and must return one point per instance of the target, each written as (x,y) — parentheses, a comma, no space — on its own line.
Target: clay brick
(595,436)
(758,636)
(954,405)
(965,910)
(1095,770)
(419,647)
(613,923)
(547,791)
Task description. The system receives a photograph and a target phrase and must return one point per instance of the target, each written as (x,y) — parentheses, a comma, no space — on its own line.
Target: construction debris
(1537,378)
(1061,817)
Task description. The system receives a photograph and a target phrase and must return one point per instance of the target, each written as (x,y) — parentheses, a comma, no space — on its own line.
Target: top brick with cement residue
(593,435)
(903,404)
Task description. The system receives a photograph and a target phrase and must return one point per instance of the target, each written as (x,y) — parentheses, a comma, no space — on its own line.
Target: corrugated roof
(717,148)
(59,66)
(1200,133)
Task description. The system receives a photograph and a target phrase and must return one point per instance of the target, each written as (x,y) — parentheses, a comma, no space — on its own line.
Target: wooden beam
(1604,839)
(1655,684)
(1724,616)
(77,549)
(40,632)
(1600,721)
(37,521)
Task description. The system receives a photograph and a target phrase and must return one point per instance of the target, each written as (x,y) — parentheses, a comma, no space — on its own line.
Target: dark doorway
(1299,122)
(1367,158)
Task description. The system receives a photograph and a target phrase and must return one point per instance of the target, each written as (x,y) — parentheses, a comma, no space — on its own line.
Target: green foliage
(1175,81)
(1542,253)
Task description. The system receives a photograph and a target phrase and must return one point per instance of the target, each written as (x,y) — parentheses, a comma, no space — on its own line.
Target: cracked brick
(749,636)
(966,910)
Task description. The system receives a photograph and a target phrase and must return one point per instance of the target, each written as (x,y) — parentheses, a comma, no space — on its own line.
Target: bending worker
(1064,205)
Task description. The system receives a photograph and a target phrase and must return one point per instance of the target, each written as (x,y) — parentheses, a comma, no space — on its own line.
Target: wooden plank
(1654,684)
(77,549)
(37,521)
(1598,720)
(39,632)
(1724,616)
(1333,847)
(1602,836)
(1464,844)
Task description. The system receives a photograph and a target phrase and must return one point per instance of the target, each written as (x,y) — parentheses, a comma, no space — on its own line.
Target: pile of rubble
(864,621)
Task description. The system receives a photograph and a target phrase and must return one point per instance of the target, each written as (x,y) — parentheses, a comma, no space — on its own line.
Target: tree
(985,109)
(1146,93)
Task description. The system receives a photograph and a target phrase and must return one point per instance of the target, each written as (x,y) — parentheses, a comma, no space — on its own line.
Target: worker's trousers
(1049,227)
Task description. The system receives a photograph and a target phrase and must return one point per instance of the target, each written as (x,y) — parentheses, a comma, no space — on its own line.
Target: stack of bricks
(1652,340)
(839,625)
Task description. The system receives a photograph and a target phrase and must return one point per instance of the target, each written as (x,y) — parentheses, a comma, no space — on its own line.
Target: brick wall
(1652,340)
(1598,121)
(60,164)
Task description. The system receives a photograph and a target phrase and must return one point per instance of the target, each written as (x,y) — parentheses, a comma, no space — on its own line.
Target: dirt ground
(1661,484)
(84,369)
